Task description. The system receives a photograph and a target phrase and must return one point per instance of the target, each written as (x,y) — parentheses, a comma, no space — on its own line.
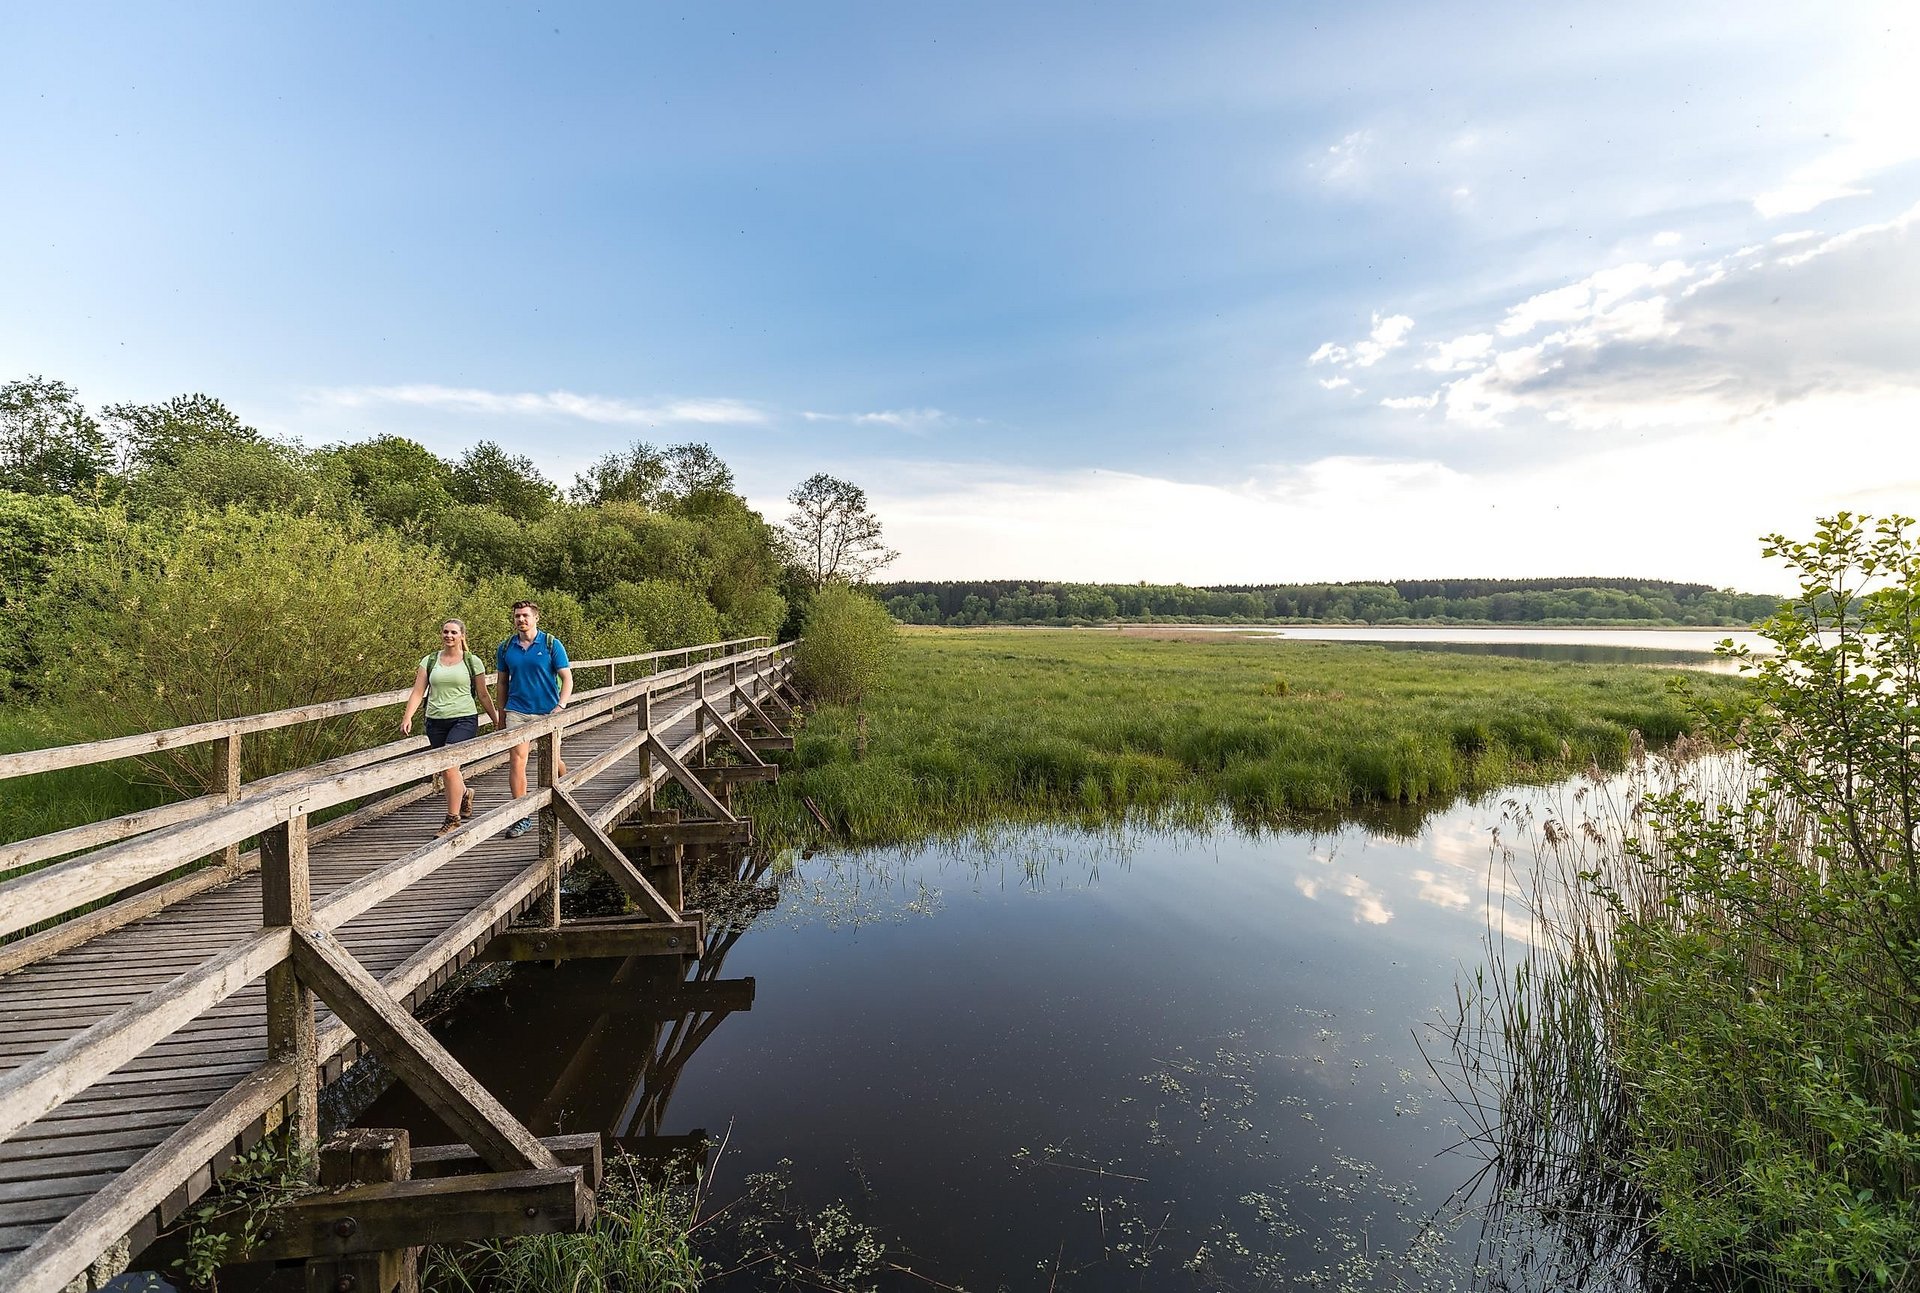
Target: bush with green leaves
(1706,1059)
(667,614)
(1771,1039)
(37,531)
(204,615)
(844,645)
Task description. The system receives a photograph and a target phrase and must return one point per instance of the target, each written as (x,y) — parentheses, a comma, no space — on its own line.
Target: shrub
(668,614)
(847,640)
(200,616)
(36,532)
(1705,1058)
(1770,1034)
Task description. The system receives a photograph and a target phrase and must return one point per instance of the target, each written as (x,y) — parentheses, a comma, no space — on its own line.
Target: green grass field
(970,728)
(50,801)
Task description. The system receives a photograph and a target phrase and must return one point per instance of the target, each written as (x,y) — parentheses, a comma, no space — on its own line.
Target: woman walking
(452,682)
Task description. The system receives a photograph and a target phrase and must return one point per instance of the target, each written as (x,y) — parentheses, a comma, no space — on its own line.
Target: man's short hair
(532,606)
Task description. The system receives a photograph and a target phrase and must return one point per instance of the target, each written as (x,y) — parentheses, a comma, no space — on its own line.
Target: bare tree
(834,534)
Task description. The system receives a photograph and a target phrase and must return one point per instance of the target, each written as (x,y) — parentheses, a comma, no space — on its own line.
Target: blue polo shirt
(532,671)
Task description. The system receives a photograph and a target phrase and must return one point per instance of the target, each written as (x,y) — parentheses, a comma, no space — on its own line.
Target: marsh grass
(52,801)
(966,729)
(1531,1057)
(638,1242)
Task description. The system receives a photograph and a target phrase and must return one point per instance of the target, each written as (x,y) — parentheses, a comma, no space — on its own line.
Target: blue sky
(1121,291)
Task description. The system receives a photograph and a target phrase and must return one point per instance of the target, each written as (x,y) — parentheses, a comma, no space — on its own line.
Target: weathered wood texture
(166,1016)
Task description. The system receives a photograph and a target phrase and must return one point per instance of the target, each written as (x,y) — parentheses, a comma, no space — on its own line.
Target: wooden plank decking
(413,941)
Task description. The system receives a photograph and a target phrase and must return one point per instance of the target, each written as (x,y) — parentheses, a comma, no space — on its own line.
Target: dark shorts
(452,731)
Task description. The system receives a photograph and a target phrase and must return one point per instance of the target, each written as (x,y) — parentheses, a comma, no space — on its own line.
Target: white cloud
(1666,238)
(1686,345)
(1335,383)
(899,419)
(1387,335)
(586,408)
(1687,503)
(1591,299)
(1343,165)
(1461,352)
(1411,402)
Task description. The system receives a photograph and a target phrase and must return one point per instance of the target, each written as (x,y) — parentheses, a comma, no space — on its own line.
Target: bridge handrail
(54,1076)
(294,923)
(53,890)
(54,758)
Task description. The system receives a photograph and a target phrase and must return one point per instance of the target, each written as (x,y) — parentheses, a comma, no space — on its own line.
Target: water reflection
(1055,1059)
(600,1044)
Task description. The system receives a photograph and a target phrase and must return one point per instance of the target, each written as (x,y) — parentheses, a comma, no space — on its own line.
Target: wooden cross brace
(737,741)
(603,850)
(688,781)
(407,1048)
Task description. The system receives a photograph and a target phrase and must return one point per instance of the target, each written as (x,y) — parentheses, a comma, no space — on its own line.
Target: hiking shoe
(466,805)
(519,828)
(449,826)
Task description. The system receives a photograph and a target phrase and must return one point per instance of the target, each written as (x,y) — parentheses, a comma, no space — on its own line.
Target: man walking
(535,678)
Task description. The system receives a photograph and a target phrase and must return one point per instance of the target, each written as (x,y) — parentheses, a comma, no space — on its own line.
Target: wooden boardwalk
(133,1064)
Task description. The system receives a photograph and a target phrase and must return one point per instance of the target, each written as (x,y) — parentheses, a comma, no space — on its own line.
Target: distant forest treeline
(1414,601)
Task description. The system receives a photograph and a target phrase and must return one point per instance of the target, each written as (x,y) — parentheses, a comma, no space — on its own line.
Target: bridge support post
(286,899)
(226,783)
(366,1156)
(646,751)
(550,825)
(700,714)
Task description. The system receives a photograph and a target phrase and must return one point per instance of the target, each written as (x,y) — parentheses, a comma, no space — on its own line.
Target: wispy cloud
(1387,335)
(898,419)
(566,404)
(1877,136)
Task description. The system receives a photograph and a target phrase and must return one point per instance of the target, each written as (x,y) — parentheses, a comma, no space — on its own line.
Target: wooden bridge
(166,998)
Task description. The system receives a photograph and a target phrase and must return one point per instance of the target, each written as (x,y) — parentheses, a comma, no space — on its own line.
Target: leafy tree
(635,475)
(1763,1010)
(482,540)
(509,483)
(669,614)
(398,481)
(848,639)
(759,614)
(160,435)
(49,444)
(261,474)
(693,470)
(658,479)
(37,532)
(740,555)
(835,536)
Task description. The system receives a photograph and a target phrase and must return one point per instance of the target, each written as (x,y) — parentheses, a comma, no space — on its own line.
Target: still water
(1664,648)
(1053,1060)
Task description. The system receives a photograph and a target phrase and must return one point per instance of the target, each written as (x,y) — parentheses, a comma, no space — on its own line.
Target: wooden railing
(293,946)
(226,734)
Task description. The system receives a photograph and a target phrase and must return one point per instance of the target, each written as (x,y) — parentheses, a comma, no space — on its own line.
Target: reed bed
(968,729)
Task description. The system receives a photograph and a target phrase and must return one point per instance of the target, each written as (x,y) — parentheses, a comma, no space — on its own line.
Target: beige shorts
(516,719)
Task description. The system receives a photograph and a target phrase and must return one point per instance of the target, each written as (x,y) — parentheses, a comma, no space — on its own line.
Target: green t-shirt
(450,686)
